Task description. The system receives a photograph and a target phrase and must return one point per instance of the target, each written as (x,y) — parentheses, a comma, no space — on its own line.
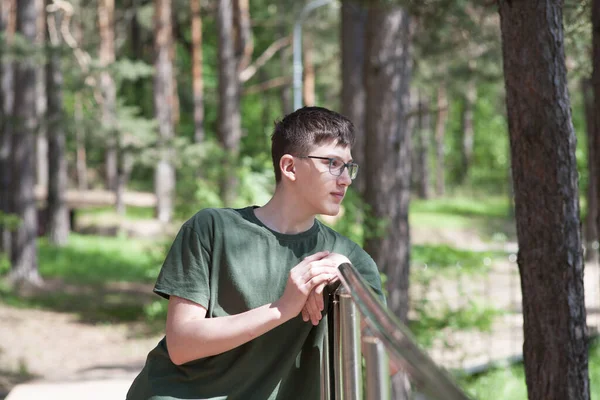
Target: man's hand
(314,304)
(314,271)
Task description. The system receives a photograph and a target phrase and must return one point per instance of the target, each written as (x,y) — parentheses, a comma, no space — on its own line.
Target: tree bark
(388,70)
(284,61)
(308,70)
(544,169)
(7,27)
(596,99)
(198,80)
(353,24)
(41,104)
(164,180)
(468,129)
(229,120)
(58,213)
(440,133)
(590,229)
(387,166)
(422,149)
(106,21)
(24,252)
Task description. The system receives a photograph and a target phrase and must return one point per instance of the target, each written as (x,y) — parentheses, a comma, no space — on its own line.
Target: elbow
(175,354)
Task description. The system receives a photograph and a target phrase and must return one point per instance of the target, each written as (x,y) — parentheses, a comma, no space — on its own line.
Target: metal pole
(377,369)
(325,366)
(337,348)
(350,347)
(297,48)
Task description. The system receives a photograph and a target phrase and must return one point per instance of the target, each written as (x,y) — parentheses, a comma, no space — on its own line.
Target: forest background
(137,110)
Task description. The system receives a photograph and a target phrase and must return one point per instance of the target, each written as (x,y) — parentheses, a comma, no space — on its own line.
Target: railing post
(377,369)
(325,365)
(348,356)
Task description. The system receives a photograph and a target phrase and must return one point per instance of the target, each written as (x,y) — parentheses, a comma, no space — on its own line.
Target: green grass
(489,216)
(131,213)
(93,259)
(84,273)
(509,383)
(444,258)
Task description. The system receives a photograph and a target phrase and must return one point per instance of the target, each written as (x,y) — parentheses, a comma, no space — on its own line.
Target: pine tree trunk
(308,70)
(353,24)
(596,99)
(24,251)
(198,80)
(544,170)
(284,61)
(229,120)
(387,154)
(422,149)
(164,179)
(58,213)
(387,166)
(41,104)
(81,157)
(106,10)
(7,26)
(468,130)
(440,133)
(591,237)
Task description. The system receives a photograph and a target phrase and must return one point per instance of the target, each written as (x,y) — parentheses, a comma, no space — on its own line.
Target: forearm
(203,337)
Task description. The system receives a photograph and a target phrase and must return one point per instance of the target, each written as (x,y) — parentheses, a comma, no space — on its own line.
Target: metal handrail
(384,326)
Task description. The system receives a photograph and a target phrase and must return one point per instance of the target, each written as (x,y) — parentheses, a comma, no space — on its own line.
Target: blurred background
(119,119)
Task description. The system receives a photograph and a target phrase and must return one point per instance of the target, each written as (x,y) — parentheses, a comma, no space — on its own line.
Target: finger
(316,281)
(315,270)
(311,305)
(315,257)
(319,291)
(305,316)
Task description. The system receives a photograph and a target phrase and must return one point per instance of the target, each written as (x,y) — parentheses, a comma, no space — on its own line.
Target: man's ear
(287,167)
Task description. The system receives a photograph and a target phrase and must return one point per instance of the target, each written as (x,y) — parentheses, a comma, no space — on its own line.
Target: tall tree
(41,104)
(106,11)
(440,133)
(164,179)
(542,142)
(197,78)
(596,100)
(7,27)
(590,229)
(387,71)
(468,129)
(353,24)
(58,213)
(24,251)
(421,148)
(229,119)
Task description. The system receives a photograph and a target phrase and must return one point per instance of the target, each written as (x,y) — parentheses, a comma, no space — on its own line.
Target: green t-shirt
(229,262)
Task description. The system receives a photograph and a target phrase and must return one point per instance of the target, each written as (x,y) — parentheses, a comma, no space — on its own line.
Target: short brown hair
(306,127)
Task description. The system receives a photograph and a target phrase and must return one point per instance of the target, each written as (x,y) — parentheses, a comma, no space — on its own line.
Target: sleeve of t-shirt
(185,271)
(367,268)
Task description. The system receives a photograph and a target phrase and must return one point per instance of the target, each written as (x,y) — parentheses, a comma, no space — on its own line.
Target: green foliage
(434,322)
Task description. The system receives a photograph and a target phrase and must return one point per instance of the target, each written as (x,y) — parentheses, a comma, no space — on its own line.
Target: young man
(245,285)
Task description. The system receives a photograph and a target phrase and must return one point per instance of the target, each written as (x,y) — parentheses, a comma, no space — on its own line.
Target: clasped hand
(306,282)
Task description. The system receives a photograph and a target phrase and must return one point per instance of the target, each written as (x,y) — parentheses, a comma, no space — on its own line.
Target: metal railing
(384,335)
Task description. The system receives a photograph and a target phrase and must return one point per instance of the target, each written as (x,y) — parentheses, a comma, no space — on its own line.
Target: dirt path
(57,346)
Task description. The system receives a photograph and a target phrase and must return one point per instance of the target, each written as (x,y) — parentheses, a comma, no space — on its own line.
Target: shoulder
(208,218)
(347,247)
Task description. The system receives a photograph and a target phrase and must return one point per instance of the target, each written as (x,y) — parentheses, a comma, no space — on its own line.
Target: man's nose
(344,178)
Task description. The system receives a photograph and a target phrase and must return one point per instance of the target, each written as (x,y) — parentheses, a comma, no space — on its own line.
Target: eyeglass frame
(331,160)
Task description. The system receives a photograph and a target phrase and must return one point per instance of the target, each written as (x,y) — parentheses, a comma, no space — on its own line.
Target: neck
(283,213)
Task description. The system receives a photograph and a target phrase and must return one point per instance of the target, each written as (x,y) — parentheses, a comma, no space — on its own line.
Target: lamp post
(298,48)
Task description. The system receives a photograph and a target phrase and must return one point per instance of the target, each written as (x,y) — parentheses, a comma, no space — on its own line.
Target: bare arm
(190,335)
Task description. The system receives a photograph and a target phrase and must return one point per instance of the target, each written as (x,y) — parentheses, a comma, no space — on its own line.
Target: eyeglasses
(336,166)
